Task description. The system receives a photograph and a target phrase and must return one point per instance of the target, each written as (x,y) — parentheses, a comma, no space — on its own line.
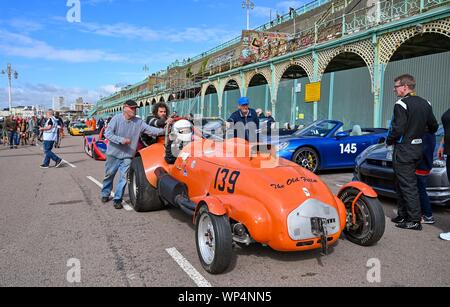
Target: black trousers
(408,193)
(448,168)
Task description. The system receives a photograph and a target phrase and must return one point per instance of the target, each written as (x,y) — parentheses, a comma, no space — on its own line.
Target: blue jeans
(13,138)
(422,184)
(113,166)
(49,155)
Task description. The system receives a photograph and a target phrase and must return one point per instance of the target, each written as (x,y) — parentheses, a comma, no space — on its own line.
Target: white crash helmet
(182,131)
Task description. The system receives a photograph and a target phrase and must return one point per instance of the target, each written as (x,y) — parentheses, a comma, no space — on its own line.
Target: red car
(96,149)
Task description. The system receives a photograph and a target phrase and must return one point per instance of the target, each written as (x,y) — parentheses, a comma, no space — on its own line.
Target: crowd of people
(20,131)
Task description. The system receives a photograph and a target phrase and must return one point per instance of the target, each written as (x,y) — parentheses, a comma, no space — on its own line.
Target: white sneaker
(445,236)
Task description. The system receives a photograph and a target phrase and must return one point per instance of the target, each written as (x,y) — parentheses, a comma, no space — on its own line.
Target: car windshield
(317,129)
(80,126)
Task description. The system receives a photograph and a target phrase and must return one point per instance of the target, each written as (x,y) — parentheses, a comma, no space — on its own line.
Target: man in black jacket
(412,117)
(160,116)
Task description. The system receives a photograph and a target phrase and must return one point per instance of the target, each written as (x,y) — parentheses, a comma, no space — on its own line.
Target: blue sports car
(325,145)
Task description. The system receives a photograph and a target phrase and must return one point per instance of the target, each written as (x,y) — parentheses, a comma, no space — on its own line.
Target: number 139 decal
(225,180)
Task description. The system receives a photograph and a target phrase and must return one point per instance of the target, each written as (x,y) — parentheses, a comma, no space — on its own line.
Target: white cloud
(42,94)
(14,44)
(129,31)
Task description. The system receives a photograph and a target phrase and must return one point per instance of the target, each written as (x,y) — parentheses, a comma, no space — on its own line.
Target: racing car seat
(357,131)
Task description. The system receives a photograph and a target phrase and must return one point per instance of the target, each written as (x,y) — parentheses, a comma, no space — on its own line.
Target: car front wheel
(214,241)
(366,222)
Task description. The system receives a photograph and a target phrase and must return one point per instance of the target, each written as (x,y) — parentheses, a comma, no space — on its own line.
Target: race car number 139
(226,180)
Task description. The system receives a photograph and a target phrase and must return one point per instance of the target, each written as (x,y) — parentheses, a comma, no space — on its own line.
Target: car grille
(379,183)
(380,163)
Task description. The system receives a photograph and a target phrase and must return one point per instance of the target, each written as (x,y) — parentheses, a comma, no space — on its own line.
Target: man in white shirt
(50,135)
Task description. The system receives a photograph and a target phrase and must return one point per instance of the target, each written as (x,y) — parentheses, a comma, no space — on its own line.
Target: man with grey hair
(50,135)
(123,133)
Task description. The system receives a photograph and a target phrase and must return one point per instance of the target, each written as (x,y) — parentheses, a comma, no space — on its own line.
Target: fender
(360,186)
(153,158)
(214,205)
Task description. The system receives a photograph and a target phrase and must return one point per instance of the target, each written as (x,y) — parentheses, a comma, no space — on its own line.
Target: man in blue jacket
(245,120)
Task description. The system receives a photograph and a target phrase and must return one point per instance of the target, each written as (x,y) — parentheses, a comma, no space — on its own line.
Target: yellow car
(80,129)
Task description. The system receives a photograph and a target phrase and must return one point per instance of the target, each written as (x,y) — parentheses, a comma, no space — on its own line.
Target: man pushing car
(123,132)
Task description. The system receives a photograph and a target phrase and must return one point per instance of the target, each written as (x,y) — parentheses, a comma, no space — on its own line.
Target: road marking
(188,268)
(70,164)
(126,206)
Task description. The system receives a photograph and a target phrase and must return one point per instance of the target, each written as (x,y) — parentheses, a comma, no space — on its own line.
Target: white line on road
(125,205)
(70,164)
(188,268)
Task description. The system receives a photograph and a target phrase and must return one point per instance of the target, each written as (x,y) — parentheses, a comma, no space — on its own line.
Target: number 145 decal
(226,180)
(349,148)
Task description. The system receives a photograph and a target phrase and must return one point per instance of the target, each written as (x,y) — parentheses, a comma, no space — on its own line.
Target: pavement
(53,223)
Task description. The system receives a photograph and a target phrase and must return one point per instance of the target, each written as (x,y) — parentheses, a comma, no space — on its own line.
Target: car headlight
(282,146)
(439,164)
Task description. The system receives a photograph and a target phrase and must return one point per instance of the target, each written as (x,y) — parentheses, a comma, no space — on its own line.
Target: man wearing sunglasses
(413,117)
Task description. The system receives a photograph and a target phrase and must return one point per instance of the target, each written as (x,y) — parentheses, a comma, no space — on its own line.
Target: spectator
(445,150)
(245,121)
(260,114)
(412,117)
(101,124)
(123,133)
(11,127)
(50,135)
(60,130)
(422,173)
(33,129)
(23,132)
(5,133)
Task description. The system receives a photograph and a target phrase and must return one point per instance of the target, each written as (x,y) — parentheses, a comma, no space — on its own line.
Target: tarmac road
(49,217)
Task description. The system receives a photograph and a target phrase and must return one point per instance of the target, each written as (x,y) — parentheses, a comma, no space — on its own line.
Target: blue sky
(112,43)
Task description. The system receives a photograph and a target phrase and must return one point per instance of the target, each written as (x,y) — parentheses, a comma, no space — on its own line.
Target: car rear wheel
(370,219)
(214,241)
(86,147)
(94,155)
(144,197)
(307,158)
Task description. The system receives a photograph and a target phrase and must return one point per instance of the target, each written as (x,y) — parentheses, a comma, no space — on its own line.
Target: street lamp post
(293,14)
(248,5)
(10,73)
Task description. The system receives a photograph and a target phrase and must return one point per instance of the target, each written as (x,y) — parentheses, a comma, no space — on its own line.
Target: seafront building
(324,60)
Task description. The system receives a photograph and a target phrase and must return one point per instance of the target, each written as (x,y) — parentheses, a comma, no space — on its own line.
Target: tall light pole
(10,73)
(293,14)
(248,5)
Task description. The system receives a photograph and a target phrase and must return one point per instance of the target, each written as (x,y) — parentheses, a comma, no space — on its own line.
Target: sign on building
(312,92)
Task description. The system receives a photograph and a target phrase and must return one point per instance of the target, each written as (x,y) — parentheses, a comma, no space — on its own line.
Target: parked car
(80,129)
(96,148)
(325,145)
(374,167)
(221,194)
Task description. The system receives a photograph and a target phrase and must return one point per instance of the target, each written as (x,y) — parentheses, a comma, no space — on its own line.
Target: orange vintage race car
(251,198)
